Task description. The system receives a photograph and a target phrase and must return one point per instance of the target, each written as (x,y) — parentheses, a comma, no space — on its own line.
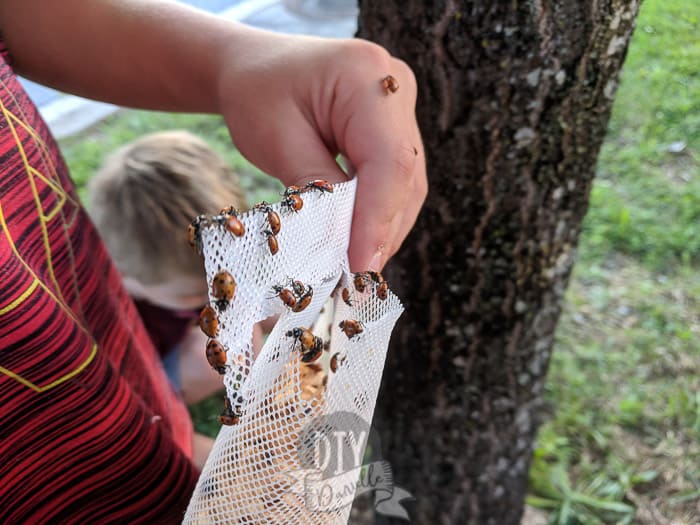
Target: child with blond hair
(142,200)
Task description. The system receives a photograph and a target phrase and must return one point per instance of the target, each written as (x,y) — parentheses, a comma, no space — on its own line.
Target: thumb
(384,186)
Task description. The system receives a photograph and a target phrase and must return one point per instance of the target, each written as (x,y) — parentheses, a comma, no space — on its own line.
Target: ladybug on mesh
(382,286)
(303,300)
(311,346)
(375,276)
(346,297)
(293,201)
(390,85)
(223,287)
(298,287)
(321,185)
(208,321)
(312,355)
(306,339)
(297,298)
(361,280)
(336,361)
(286,295)
(194,233)
(292,190)
(216,355)
(383,290)
(273,218)
(229,416)
(228,218)
(351,328)
(272,243)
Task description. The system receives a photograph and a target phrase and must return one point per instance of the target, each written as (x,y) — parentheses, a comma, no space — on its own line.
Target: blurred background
(622,440)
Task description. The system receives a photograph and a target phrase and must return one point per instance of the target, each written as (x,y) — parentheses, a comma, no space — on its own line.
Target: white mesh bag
(286,460)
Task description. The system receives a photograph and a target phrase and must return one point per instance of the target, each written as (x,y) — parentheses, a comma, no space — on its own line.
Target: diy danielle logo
(333,474)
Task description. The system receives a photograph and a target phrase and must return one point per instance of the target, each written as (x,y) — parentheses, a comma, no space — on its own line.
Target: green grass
(623,387)
(622,441)
(205,415)
(646,202)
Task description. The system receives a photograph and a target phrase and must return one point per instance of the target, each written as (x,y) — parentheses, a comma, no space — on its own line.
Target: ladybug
(305,337)
(346,297)
(321,185)
(307,340)
(336,361)
(273,218)
(208,321)
(351,328)
(312,355)
(292,190)
(223,286)
(286,295)
(228,416)
(361,280)
(382,285)
(216,355)
(389,84)
(298,287)
(383,290)
(228,218)
(375,276)
(304,300)
(272,243)
(194,234)
(294,202)
(234,225)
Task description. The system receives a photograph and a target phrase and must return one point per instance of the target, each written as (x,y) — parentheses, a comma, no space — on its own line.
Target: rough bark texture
(514,101)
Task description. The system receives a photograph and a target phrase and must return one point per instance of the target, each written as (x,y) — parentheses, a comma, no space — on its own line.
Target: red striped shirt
(90,429)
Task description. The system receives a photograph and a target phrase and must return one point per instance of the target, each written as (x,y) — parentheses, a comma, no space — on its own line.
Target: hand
(294,103)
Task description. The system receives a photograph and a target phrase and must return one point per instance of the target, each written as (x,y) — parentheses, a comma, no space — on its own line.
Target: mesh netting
(256,471)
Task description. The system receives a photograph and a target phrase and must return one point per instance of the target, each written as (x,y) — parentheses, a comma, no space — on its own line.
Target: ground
(622,439)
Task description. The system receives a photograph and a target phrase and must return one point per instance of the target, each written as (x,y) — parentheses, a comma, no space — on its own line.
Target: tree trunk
(514,100)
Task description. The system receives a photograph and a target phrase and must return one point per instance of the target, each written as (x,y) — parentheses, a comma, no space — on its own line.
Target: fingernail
(375,265)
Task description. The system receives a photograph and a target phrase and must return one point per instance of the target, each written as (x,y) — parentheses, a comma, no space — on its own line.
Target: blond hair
(148,191)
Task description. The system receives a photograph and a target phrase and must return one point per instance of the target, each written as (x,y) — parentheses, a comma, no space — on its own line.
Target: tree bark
(514,101)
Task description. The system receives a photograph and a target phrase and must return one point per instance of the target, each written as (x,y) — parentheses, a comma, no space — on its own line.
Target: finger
(384,146)
(417,195)
(403,222)
(293,157)
(383,186)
